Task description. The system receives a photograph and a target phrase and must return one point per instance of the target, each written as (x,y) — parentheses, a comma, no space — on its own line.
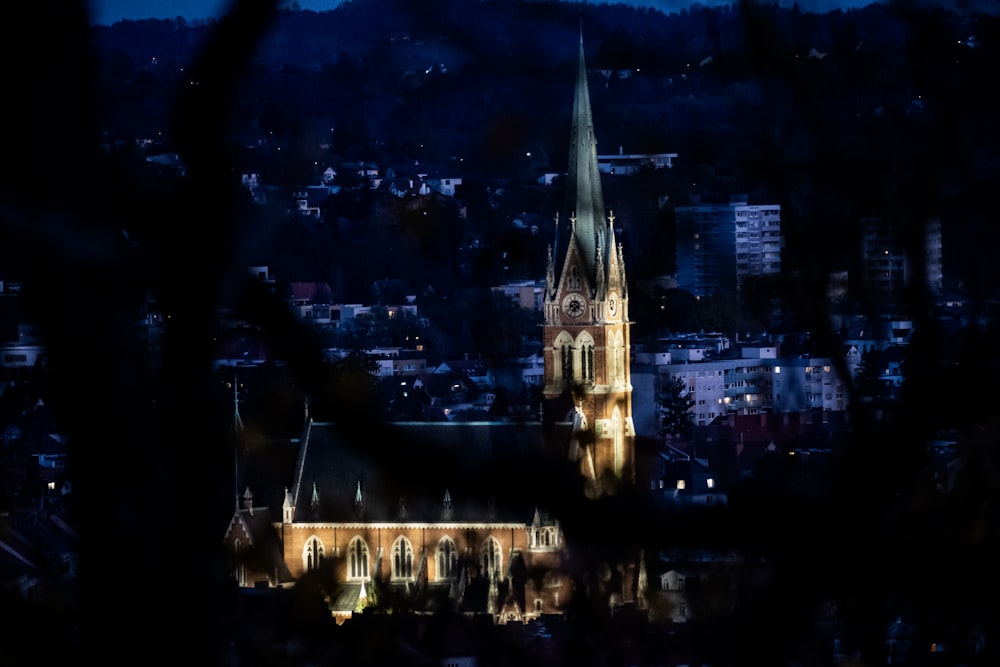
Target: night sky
(109,11)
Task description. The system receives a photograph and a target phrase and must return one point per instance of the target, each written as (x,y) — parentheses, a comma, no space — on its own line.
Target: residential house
(679,478)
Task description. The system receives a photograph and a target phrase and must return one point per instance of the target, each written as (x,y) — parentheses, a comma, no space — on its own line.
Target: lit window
(777,369)
(357,553)
(447,559)
(710,482)
(312,555)
(680,484)
(402,559)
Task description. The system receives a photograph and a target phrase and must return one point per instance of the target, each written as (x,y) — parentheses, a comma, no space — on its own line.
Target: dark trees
(675,403)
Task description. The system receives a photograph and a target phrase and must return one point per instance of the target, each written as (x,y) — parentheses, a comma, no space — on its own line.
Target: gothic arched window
(562,357)
(492,557)
(402,559)
(357,559)
(312,554)
(446,559)
(585,343)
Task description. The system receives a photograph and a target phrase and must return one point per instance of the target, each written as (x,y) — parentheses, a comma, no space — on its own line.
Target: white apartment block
(753,385)
(720,245)
(528,294)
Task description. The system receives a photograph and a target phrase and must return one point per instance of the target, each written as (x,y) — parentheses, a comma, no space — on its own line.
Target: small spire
(287,509)
(237,420)
(447,507)
(550,273)
(314,500)
(359,500)
(599,262)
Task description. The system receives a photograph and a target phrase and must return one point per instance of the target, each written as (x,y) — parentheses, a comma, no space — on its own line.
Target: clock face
(573,305)
(613,304)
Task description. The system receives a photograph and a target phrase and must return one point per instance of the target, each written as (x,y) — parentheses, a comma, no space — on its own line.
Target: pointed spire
(550,274)
(359,500)
(314,500)
(237,429)
(237,420)
(447,511)
(287,508)
(599,281)
(583,175)
(621,271)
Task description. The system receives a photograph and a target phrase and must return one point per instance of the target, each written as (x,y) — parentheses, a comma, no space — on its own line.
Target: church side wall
(336,538)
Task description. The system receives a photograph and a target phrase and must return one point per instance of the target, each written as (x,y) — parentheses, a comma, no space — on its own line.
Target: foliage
(349,390)
(675,405)
(868,380)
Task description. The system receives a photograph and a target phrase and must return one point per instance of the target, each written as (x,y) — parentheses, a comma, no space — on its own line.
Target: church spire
(584,178)
(237,419)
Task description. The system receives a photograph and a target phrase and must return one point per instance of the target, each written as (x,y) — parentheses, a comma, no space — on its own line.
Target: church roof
(586,239)
(403,471)
(584,177)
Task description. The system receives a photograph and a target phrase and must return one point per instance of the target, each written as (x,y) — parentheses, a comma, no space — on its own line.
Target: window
(492,557)
(710,483)
(446,559)
(312,555)
(357,559)
(566,354)
(402,559)
(241,572)
(588,362)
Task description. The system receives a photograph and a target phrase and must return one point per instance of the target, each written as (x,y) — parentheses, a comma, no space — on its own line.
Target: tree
(349,390)
(868,379)
(676,417)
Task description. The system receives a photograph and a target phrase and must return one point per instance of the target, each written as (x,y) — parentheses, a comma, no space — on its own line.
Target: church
(476,517)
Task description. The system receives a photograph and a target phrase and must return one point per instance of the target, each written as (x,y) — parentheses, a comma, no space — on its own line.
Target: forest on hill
(883,110)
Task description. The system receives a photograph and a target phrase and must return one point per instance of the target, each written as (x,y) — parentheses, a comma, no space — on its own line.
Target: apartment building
(893,259)
(720,245)
(749,385)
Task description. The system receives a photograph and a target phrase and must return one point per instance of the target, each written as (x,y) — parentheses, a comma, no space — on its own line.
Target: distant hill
(833,115)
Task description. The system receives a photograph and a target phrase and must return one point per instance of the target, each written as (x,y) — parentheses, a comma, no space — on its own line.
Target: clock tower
(586,330)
